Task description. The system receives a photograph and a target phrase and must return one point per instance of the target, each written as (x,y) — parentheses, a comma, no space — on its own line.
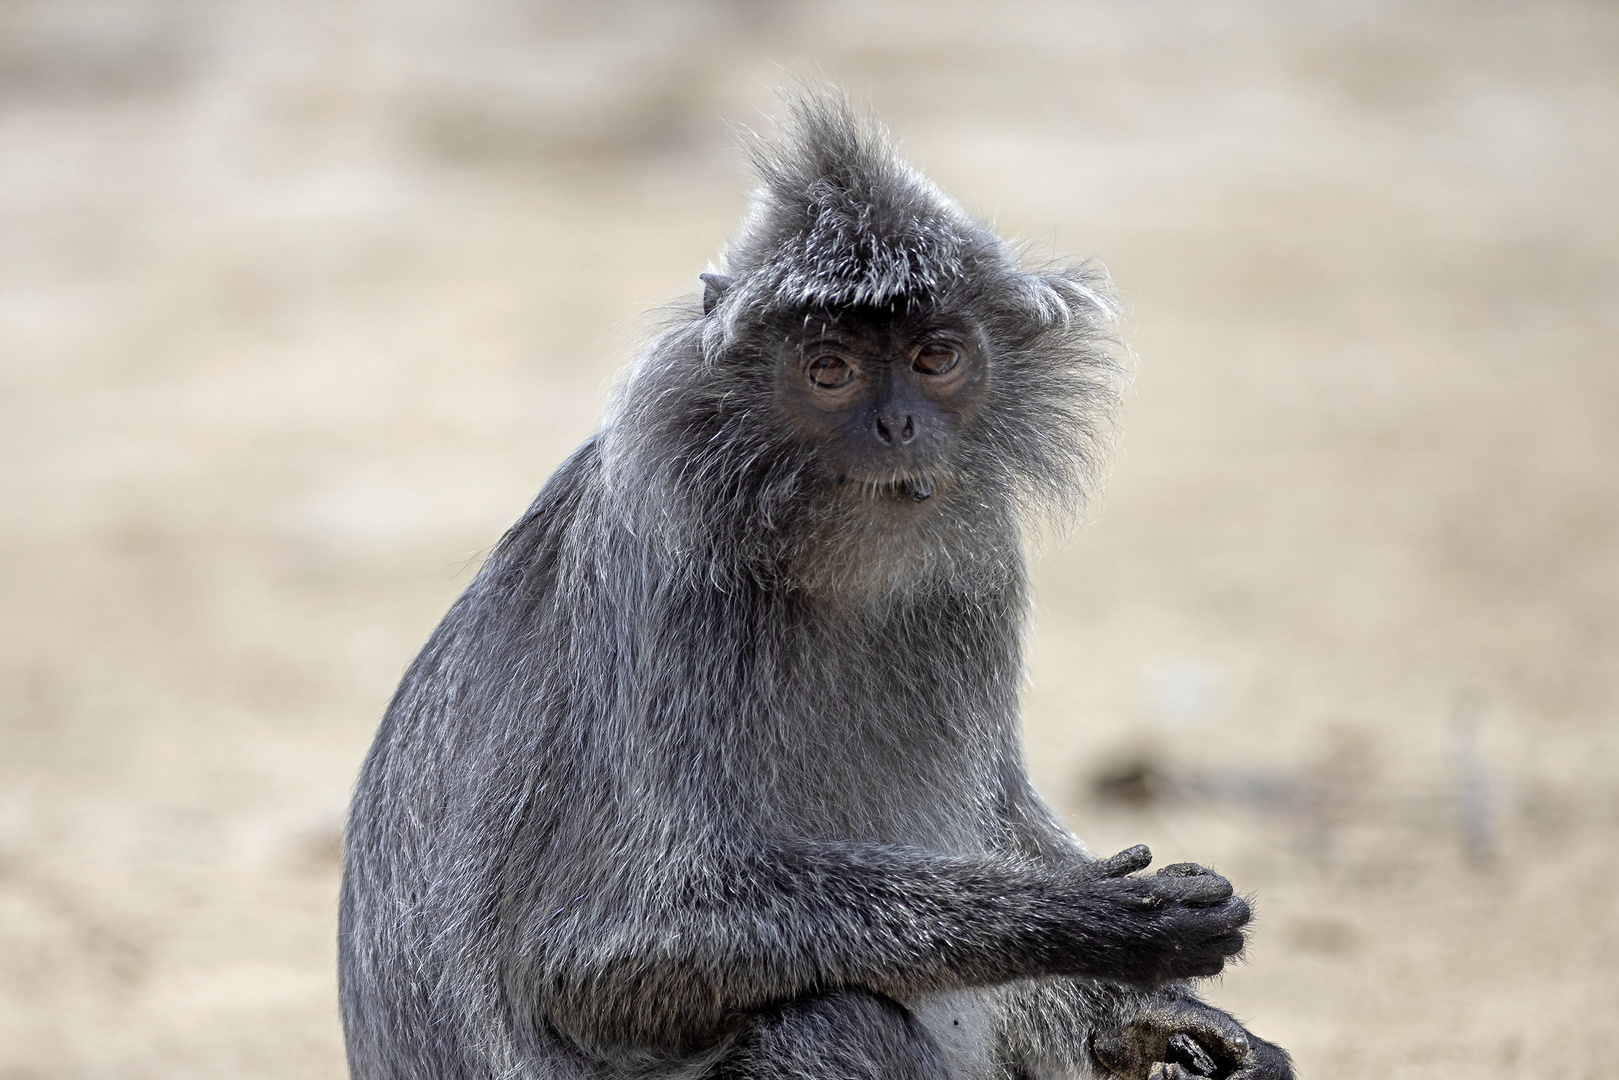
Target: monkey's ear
(714,286)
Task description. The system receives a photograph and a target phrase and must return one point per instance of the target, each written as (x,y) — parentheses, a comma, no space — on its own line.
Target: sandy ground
(300,302)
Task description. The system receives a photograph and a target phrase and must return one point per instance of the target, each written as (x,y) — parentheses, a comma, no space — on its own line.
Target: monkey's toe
(1171,1070)
(1185,869)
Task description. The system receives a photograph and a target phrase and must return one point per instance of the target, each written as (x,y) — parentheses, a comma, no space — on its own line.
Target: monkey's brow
(822,331)
(823,325)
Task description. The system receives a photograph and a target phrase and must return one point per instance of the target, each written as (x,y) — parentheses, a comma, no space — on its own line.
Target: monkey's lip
(916,488)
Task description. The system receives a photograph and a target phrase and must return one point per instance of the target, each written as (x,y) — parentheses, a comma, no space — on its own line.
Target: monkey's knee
(845,1036)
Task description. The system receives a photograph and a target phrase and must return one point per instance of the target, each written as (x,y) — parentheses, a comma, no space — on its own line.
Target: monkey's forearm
(774,927)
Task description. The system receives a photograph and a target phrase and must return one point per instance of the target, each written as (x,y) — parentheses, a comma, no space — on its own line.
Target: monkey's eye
(936,359)
(830,371)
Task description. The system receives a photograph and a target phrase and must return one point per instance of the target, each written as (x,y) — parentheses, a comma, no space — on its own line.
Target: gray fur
(713,770)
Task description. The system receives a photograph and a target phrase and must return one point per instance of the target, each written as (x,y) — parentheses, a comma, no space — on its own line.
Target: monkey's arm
(664,966)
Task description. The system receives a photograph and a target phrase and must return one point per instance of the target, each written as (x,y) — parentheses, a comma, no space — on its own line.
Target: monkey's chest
(895,783)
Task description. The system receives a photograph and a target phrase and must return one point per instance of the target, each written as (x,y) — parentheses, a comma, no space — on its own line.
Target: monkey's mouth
(919,489)
(915,488)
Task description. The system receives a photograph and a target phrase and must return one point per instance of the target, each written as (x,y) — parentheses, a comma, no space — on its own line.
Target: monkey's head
(874,389)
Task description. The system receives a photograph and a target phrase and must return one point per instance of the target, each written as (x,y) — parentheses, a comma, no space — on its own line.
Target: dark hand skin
(1192,918)
(1184,1039)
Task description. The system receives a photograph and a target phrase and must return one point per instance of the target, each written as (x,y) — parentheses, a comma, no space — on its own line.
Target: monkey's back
(480,745)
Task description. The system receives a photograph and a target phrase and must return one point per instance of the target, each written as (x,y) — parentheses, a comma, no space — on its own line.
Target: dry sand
(300,302)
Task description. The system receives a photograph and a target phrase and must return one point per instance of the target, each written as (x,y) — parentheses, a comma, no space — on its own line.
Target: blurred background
(300,303)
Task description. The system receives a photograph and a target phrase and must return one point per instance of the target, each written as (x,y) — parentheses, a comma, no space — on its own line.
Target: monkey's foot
(1184,1039)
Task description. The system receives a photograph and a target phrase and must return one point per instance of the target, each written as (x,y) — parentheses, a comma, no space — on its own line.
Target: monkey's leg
(1047,1025)
(849,1035)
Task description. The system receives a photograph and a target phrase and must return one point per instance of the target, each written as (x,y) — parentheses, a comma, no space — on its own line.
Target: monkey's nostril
(885,432)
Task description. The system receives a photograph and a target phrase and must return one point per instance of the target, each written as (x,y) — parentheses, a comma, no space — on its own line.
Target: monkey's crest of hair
(702,468)
(839,219)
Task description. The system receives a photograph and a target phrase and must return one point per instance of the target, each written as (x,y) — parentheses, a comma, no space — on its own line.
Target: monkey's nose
(895,429)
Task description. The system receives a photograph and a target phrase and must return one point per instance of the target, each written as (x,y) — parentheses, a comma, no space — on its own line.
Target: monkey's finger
(1223,919)
(1234,913)
(1125,862)
(1188,1052)
(1183,869)
(1204,890)
(1226,945)
(1199,951)
(1208,957)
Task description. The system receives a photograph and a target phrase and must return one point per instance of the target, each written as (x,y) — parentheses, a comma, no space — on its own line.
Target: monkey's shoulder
(556,537)
(519,592)
(548,518)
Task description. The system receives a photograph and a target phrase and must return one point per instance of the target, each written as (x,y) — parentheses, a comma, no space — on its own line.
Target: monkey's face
(882,402)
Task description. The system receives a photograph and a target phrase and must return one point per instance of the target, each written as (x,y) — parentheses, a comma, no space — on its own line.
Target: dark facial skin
(884,398)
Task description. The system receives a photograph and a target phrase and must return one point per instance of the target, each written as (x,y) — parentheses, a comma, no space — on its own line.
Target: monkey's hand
(1182,922)
(1180,1038)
